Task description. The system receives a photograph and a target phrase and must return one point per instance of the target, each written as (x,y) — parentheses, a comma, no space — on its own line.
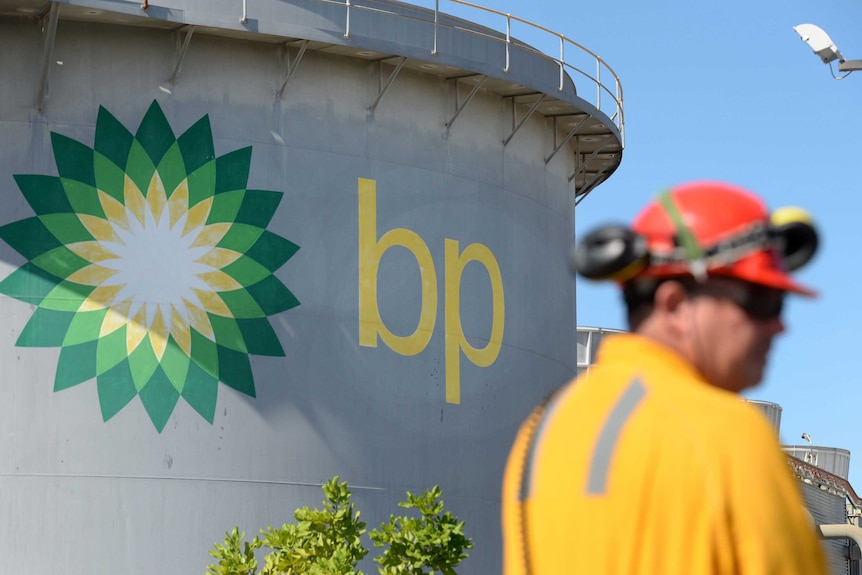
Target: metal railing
(612,102)
(615,93)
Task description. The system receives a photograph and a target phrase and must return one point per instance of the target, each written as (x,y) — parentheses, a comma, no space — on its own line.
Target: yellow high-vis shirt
(641,467)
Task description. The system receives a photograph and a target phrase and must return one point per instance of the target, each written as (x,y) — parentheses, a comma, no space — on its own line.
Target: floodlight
(820,42)
(825,48)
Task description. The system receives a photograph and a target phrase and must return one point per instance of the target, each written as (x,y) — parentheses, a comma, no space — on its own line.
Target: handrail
(615,92)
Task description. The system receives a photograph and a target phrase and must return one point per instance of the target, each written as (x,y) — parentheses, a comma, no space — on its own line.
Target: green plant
(435,541)
(234,558)
(322,542)
(328,541)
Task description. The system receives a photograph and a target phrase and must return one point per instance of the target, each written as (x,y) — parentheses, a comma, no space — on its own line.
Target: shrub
(329,541)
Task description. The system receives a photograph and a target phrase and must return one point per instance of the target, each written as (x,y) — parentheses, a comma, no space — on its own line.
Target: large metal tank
(771,411)
(247,246)
(828,508)
(835,460)
(589,341)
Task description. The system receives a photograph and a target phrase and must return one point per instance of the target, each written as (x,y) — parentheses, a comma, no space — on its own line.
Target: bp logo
(150,266)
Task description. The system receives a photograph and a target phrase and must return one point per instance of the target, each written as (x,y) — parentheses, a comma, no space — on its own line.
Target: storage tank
(831,459)
(247,246)
(770,410)
(589,340)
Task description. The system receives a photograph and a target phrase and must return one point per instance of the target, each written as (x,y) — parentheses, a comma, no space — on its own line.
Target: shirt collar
(649,353)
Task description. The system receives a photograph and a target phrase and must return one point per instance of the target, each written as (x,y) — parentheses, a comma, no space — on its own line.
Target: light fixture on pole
(810,456)
(825,48)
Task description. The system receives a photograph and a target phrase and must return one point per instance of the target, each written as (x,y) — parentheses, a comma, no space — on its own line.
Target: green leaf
(246,271)
(29,283)
(67,228)
(77,364)
(46,328)
(74,159)
(225,207)
(201,391)
(175,364)
(116,389)
(110,178)
(140,167)
(61,262)
(29,237)
(272,251)
(45,194)
(235,370)
(112,142)
(204,353)
(172,169)
(67,296)
(155,134)
(143,363)
(196,145)
(232,170)
(272,295)
(159,398)
(240,238)
(227,333)
(258,207)
(241,304)
(202,183)
(83,198)
(111,350)
(259,337)
(84,328)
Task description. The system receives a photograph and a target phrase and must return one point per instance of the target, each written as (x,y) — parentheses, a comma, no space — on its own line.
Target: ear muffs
(797,237)
(611,252)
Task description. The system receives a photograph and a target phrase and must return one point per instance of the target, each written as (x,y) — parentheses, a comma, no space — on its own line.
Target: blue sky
(727,90)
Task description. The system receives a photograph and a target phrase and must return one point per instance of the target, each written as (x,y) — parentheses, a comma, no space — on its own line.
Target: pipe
(840,531)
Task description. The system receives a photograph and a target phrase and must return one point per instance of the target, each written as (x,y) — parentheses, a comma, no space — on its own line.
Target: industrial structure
(248,245)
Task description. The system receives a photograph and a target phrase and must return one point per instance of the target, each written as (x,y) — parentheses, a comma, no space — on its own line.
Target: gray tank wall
(829,509)
(83,495)
(835,460)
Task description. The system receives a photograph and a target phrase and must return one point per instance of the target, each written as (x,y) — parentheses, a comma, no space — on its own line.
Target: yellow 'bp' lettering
(455,339)
(370,252)
(371,325)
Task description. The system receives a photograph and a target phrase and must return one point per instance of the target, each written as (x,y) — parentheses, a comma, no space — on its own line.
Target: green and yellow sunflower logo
(150,265)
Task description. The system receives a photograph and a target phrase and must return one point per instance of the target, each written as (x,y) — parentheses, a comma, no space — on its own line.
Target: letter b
(370,253)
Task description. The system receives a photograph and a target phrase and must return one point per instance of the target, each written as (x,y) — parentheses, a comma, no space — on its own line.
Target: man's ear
(671,299)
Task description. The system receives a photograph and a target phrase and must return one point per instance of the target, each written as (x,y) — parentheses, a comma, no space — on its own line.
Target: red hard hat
(729,226)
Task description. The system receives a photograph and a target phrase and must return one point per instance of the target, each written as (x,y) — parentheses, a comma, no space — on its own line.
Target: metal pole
(244,18)
(562,60)
(347,23)
(598,84)
(467,101)
(189,32)
(436,14)
(291,68)
(47,53)
(508,40)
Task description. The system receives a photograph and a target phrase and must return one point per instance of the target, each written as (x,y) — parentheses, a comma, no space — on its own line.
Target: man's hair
(639,296)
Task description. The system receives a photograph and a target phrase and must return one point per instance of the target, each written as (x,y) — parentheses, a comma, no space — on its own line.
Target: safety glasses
(759,302)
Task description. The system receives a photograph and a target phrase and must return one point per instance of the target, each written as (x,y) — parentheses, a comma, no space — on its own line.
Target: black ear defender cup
(797,237)
(611,252)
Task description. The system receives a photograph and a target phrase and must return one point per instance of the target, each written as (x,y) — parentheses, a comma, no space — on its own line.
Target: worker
(651,463)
